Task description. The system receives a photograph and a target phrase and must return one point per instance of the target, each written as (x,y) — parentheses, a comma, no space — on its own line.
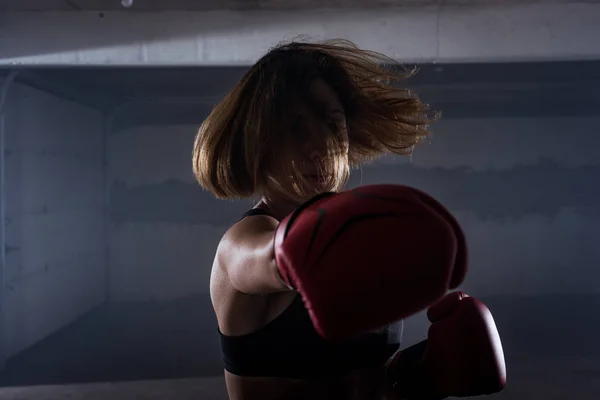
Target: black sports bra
(290,347)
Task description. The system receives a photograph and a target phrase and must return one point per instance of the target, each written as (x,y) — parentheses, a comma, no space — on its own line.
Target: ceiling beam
(438,34)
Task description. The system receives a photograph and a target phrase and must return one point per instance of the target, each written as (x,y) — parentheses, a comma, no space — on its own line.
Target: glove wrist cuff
(408,376)
(285,282)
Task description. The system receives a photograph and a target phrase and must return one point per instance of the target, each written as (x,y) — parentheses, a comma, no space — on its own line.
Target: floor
(179,389)
(536,380)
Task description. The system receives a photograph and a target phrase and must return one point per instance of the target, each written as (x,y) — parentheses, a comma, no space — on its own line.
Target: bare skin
(240,313)
(247,293)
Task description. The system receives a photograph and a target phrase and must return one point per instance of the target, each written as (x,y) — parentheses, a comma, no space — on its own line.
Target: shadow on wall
(178,339)
(124,342)
(487,194)
(498,193)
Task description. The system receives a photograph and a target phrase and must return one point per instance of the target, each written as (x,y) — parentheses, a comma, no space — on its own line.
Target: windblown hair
(240,145)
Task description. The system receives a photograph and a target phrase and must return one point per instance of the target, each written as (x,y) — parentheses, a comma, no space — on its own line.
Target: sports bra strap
(255,211)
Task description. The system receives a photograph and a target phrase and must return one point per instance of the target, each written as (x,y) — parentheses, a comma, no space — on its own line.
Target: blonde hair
(241,143)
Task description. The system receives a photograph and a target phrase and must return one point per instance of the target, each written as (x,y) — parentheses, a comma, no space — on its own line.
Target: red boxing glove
(368,257)
(461,357)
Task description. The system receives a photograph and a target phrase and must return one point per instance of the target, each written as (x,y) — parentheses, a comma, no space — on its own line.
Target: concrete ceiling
(197,5)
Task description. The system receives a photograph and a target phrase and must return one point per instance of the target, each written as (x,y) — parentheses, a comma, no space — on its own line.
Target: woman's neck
(279,209)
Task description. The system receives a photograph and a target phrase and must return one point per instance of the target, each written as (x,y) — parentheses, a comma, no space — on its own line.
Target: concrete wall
(525,190)
(54,268)
(164,229)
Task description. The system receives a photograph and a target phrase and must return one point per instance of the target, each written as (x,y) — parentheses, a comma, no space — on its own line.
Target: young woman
(293,127)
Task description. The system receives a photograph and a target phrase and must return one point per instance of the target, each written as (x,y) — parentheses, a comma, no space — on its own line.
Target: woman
(294,125)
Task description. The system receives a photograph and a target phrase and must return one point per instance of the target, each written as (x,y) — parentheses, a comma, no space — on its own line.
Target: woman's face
(322,135)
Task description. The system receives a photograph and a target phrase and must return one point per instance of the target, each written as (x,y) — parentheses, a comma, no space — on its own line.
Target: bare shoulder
(246,255)
(241,271)
(246,230)
(244,238)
